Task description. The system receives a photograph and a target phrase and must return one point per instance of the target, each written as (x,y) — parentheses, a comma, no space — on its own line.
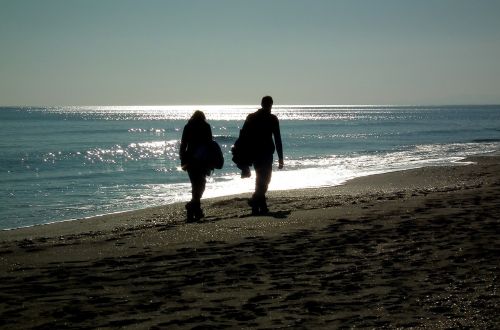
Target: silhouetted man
(259,128)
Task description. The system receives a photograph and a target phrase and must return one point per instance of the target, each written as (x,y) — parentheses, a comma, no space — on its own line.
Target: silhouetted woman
(194,149)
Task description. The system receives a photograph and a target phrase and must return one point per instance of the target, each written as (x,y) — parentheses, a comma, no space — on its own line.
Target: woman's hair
(198,115)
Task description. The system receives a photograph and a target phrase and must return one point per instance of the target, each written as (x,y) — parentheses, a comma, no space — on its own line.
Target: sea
(63,163)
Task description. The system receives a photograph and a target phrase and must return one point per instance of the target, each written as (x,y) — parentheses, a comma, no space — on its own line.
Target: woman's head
(198,115)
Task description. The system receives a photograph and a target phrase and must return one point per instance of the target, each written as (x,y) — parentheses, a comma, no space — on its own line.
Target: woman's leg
(198,182)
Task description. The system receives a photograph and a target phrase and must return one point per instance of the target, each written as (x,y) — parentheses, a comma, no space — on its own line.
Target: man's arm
(277,142)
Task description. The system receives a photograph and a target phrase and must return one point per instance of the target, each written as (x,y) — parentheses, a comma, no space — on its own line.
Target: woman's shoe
(198,214)
(245,172)
(190,213)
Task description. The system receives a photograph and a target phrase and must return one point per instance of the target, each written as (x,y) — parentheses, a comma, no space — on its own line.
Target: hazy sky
(120,52)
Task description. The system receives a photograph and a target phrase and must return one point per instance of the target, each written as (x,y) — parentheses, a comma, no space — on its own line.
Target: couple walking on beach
(255,147)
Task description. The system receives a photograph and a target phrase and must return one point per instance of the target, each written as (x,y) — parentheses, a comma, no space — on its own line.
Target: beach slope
(416,248)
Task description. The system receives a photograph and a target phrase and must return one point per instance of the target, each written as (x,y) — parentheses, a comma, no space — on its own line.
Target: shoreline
(462,162)
(414,248)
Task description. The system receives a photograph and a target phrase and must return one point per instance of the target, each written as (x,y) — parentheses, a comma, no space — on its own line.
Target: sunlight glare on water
(222,112)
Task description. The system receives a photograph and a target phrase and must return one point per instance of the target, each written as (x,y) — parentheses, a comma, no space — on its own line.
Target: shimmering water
(73,162)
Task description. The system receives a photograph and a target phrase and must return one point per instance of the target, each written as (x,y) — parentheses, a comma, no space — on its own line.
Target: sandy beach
(410,249)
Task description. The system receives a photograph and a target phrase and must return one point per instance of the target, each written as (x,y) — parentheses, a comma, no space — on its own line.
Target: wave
(147,130)
(485,140)
(225,138)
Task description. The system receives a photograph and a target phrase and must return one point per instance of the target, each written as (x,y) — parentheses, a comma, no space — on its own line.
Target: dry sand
(416,248)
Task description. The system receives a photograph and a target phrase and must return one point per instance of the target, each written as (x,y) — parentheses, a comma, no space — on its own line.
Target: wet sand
(410,249)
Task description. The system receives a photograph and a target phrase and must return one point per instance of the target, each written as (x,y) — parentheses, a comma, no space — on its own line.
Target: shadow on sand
(276,214)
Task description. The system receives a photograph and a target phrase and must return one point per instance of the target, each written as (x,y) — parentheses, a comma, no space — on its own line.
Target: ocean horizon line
(432,105)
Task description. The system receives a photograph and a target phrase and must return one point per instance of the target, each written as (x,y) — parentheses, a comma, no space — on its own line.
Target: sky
(152,52)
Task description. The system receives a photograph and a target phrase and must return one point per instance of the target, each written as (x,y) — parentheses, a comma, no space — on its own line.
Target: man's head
(267,102)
